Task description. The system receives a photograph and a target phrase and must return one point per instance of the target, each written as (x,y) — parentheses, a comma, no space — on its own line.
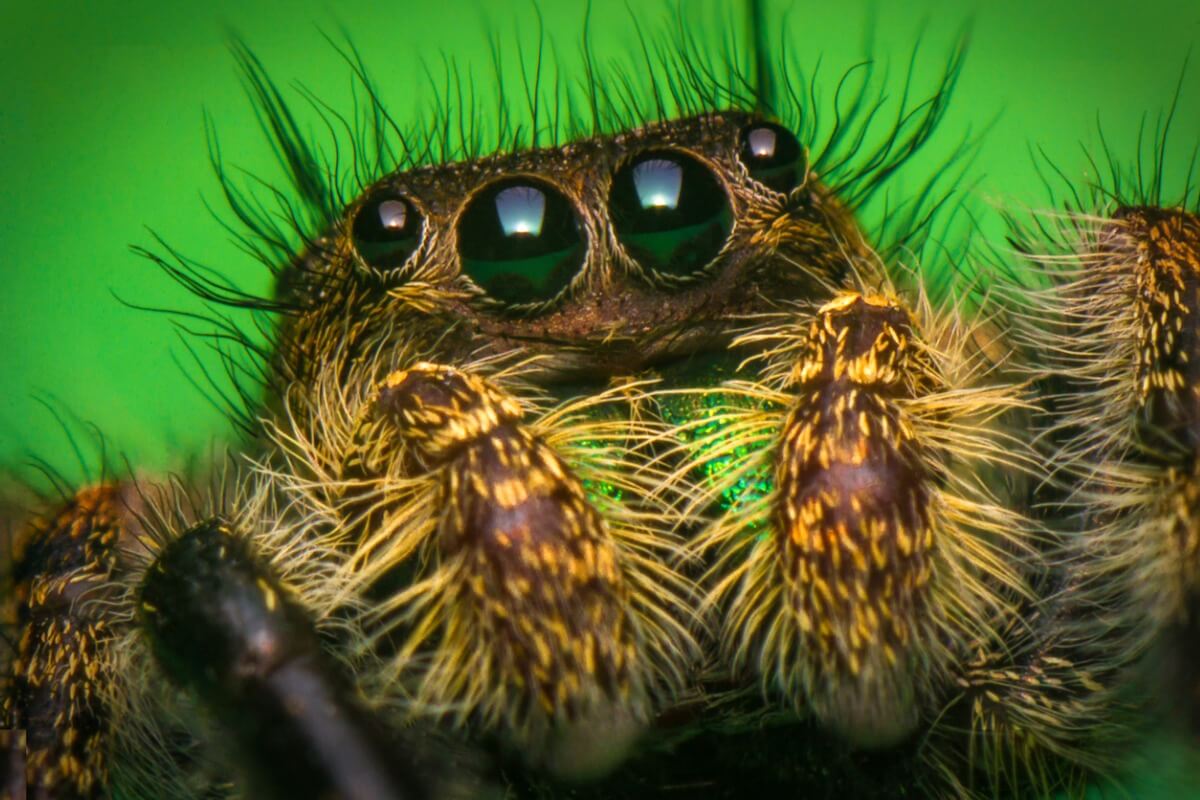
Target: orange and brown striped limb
(1166,266)
(853,587)
(55,684)
(535,617)
(853,517)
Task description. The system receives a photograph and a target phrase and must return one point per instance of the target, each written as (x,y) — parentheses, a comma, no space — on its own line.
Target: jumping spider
(631,466)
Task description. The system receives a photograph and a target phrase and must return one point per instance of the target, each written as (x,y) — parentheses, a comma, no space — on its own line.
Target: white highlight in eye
(522,210)
(658,183)
(762,142)
(393,215)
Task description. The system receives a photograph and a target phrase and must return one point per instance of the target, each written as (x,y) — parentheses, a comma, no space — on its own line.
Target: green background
(102,139)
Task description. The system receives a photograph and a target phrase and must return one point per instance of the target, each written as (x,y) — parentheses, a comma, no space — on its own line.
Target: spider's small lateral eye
(520,241)
(670,212)
(772,156)
(386,230)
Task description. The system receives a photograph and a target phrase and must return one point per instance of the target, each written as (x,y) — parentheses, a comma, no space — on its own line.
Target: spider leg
(1117,339)
(221,625)
(54,691)
(535,610)
(876,563)
(1047,699)
(1038,703)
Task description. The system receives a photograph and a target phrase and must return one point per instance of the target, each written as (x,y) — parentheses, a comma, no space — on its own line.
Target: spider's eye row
(386,230)
(772,155)
(520,241)
(670,212)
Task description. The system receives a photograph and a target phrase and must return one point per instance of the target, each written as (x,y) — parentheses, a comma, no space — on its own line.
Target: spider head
(605,257)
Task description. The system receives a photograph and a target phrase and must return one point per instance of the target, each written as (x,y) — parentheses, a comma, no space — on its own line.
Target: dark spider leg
(1041,705)
(53,687)
(221,625)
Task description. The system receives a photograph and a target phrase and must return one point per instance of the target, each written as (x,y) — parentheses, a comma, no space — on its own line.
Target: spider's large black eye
(386,230)
(670,212)
(772,156)
(519,241)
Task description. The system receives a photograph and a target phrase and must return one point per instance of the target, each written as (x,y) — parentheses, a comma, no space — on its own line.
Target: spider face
(429,321)
(600,258)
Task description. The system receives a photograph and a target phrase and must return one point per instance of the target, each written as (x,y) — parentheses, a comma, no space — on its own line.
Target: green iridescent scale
(700,421)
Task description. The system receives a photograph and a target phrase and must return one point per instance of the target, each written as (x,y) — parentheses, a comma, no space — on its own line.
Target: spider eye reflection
(519,240)
(386,230)
(772,156)
(658,182)
(670,212)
